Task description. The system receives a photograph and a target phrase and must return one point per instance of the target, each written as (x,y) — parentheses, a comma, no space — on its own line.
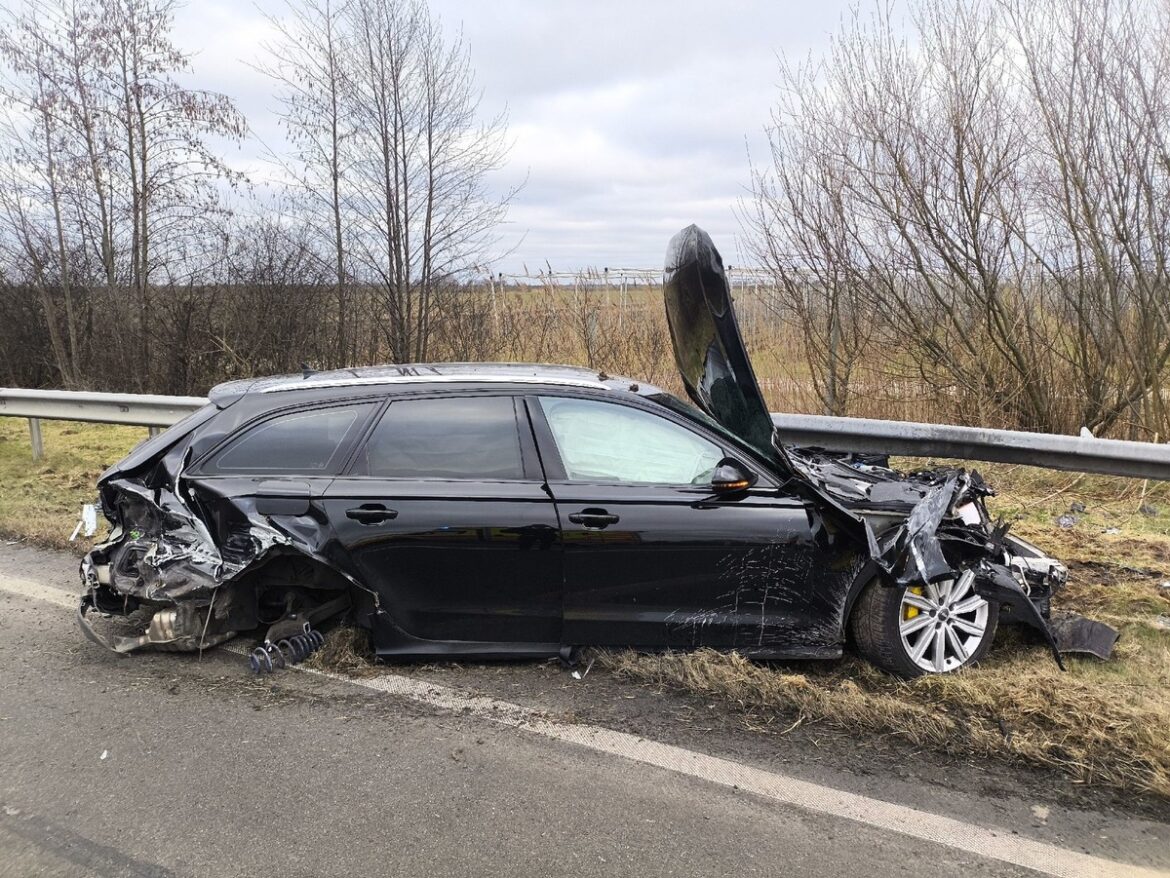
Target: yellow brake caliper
(909,612)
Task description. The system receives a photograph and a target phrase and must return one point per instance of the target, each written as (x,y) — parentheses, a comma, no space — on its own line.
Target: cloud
(628,119)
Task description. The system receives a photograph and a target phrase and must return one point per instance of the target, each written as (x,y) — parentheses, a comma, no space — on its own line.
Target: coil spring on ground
(271,656)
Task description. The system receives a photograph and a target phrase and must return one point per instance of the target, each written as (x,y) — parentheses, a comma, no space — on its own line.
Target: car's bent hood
(708,348)
(918,528)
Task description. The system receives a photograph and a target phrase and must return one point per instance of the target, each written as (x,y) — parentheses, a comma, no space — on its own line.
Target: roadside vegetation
(40,501)
(1099,722)
(915,249)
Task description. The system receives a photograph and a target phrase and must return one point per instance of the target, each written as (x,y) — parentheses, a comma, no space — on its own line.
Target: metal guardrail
(132,409)
(1086,454)
(1143,460)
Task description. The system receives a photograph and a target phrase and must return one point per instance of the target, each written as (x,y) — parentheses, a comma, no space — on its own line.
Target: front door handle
(371,513)
(597,518)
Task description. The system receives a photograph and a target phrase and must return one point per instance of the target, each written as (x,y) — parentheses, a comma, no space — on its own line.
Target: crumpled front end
(919,528)
(933,525)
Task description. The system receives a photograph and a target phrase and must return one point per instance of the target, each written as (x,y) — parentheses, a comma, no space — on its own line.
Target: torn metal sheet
(917,528)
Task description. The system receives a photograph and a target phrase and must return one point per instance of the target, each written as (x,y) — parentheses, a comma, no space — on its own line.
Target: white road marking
(29,589)
(991,843)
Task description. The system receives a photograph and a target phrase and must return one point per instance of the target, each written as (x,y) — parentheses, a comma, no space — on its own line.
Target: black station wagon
(510,510)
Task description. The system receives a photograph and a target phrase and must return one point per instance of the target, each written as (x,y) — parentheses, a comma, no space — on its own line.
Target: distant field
(1101,723)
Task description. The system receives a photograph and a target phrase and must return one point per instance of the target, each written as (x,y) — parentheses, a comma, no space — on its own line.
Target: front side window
(448,438)
(298,442)
(604,442)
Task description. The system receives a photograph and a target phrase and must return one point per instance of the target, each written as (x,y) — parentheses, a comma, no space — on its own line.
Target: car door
(654,559)
(444,513)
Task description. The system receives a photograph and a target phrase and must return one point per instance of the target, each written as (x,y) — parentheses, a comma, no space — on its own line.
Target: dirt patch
(1107,574)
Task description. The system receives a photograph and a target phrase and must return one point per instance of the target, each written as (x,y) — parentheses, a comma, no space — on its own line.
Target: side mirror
(730,476)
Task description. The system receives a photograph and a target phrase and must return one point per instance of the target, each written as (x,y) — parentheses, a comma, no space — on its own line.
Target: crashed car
(512,510)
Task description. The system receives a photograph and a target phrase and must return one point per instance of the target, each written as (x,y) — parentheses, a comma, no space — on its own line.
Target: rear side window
(300,442)
(449,438)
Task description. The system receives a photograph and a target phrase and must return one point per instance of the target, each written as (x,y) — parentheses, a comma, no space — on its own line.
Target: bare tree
(110,179)
(383,111)
(308,65)
(990,197)
(1097,84)
(801,222)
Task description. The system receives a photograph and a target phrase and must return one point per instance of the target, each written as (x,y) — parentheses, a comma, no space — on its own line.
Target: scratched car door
(653,558)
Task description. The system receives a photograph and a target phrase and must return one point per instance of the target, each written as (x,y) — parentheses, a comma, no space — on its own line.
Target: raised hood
(708,348)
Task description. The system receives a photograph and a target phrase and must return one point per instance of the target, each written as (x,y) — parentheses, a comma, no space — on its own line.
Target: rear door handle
(371,513)
(598,518)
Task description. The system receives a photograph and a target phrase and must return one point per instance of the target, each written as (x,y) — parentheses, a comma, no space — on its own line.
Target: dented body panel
(755,573)
(918,528)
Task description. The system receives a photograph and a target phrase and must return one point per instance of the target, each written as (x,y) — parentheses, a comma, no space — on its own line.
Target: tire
(886,634)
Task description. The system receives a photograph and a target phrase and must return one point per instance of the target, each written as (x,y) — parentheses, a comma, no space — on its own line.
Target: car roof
(431,373)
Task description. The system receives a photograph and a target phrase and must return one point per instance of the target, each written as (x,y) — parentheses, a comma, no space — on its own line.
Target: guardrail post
(38,442)
(154,431)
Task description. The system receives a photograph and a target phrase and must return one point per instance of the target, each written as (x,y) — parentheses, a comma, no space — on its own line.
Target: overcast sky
(629,118)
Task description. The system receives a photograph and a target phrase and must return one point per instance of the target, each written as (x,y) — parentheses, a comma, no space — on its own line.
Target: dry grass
(346,651)
(1107,728)
(627,335)
(41,501)
(1100,722)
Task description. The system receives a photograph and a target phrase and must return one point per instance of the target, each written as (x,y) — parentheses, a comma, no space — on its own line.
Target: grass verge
(1104,727)
(1099,722)
(41,500)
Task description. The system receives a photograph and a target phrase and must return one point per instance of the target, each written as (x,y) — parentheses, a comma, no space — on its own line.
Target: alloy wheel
(943,624)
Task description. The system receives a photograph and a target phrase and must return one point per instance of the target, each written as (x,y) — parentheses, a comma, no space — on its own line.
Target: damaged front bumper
(931,525)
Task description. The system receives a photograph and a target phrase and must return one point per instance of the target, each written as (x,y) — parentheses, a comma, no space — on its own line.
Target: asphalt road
(165,765)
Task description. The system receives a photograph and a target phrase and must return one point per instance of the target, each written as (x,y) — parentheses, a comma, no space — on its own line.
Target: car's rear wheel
(932,629)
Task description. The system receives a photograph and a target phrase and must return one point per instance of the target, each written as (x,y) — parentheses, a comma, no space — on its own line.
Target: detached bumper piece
(1076,634)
